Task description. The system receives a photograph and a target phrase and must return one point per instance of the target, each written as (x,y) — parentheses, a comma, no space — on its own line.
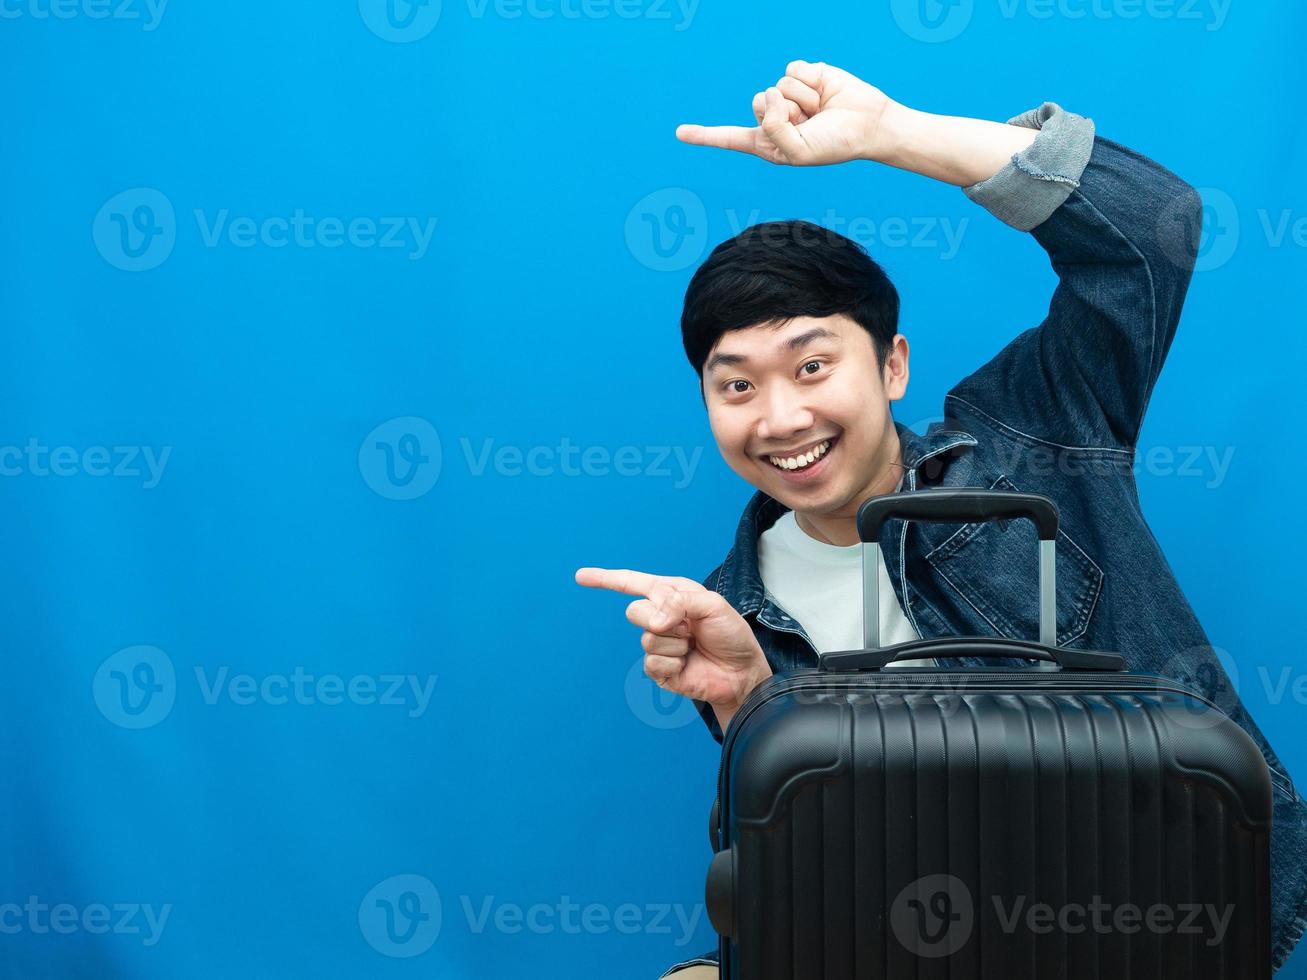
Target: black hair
(778,270)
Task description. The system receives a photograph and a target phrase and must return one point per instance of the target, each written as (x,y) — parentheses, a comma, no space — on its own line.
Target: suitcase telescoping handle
(955,506)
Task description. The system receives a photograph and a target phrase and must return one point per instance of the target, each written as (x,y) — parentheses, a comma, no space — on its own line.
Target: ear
(895,375)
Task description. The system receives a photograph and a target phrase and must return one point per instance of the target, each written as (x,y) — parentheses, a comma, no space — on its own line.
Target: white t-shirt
(820,586)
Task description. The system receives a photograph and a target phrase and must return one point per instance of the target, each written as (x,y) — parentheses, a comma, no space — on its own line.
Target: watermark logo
(400,21)
(135,231)
(401,459)
(667,230)
(654,706)
(135,687)
(933,916)
(932,21)
(400,917)
(1210,672)
(1208,236)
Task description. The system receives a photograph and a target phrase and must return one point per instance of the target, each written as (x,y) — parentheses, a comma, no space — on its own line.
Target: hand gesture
(816,114)
(695,644)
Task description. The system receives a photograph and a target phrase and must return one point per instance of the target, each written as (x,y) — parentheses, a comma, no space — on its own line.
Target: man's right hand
(816,114)
(695,644)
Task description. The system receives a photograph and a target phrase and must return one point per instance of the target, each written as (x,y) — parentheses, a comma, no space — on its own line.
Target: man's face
(811,386)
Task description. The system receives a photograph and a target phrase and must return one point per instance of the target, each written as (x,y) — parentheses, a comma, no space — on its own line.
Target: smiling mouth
(805,460)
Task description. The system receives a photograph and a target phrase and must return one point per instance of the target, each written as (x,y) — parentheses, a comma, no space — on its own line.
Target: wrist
(760,672)
(889,135)
(725,711)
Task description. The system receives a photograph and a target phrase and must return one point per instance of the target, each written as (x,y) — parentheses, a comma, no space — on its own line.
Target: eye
(809,364)
(731,389)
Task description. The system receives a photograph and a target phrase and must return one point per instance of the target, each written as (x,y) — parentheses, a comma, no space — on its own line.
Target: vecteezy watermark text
(934,916)
(680,11)
(406,21)
(402,459)
(136,687)
(63,919)
(137,229)
(34,458)
(667,230)
(1185,918)
(302,230)
(573,919)
(403,916)
(571,460)
(410,691)
(1208,463)
(936,21)
(149,12)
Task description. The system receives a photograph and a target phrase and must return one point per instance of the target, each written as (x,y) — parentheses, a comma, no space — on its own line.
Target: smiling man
(793,331)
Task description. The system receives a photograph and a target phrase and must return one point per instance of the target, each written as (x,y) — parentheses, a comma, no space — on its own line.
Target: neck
(841,527)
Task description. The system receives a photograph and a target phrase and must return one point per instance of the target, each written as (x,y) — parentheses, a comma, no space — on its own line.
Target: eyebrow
(794,343)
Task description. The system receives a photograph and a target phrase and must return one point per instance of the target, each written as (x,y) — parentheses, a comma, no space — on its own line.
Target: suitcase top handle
(969,646)
(955,506)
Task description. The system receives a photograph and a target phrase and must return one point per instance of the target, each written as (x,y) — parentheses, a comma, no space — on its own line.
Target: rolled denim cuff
(1035,182)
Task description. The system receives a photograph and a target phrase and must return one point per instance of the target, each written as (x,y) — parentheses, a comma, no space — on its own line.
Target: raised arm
(1121,232)
(1122,238)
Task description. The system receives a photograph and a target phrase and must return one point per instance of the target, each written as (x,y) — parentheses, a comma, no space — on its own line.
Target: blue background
(545,767)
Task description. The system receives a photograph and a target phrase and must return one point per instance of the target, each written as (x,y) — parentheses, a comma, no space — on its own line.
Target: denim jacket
(1057,412)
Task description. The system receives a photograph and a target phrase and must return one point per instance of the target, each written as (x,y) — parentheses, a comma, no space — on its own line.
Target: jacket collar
(738,579)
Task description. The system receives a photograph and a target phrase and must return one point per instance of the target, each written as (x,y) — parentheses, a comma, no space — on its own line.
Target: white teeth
(805,459)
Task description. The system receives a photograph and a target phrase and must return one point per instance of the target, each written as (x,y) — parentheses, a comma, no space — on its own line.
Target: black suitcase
(1067,819)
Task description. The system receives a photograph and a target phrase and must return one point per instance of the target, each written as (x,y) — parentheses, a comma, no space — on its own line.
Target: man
(793,331)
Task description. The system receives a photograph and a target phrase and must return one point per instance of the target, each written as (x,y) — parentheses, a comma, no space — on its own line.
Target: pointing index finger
(632,582)
(741,138)
(618,579)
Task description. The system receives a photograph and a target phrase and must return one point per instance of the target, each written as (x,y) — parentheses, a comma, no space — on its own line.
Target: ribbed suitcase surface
(987,823)
(1011,822)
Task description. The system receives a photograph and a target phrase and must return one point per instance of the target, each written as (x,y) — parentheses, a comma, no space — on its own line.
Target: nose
(784,413)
